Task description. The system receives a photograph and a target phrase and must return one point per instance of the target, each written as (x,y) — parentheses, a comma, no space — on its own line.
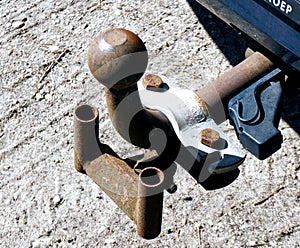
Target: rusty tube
(150,202)
(233,81)
(86,147)
(249,52)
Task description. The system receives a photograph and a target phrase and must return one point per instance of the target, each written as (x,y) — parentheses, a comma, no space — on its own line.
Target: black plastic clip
(255,113)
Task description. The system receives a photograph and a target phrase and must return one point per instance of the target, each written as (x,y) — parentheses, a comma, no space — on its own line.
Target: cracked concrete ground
(44,202)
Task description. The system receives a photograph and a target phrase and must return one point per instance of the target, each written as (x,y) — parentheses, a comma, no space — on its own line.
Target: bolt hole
(86,113)
(163,88)
(151,176)
(241,129)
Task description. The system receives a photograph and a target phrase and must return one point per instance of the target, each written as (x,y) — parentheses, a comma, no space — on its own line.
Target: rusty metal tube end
(217,94)
(86,129)
(150,202)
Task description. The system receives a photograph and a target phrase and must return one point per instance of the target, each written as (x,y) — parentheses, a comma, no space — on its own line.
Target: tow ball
(173,125)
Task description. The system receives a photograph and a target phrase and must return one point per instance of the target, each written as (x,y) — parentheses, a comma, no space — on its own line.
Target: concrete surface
(44,202)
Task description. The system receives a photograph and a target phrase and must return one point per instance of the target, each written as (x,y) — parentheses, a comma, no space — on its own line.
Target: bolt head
(209,137)
(152,81)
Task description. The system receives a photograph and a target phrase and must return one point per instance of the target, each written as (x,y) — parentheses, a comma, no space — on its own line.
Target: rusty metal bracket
(255,113)
(139,193)
(192,123)
(153,113)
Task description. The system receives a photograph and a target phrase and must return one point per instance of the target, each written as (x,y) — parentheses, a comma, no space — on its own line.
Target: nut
(209,137)
(152,80)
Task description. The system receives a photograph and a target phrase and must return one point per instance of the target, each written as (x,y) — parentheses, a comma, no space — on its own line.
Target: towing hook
(177,126)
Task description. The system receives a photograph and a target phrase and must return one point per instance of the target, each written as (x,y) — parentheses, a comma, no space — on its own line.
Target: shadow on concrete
(291,103)
(232,44)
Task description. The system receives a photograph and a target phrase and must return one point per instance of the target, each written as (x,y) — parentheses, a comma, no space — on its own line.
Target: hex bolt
(209,137)
(153,81)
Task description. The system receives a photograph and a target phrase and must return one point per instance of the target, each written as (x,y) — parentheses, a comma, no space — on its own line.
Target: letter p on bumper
(289,9)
